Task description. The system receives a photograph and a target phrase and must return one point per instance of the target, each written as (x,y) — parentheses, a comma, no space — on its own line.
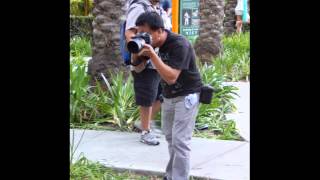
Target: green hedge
(80,8)
(81,26)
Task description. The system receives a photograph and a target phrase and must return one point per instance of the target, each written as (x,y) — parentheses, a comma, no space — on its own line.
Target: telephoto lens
(137,42)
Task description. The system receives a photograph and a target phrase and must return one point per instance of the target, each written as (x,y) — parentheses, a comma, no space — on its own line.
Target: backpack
(125,54)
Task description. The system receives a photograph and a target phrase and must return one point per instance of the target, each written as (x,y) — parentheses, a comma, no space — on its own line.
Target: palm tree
(230,17)
(208,44)
(106,37)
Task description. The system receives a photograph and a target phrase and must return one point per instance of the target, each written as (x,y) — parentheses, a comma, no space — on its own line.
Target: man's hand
(136,59)
(139,63)
(147,51)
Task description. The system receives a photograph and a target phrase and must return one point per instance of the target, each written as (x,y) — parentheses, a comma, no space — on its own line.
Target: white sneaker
(155,130)
(149,139)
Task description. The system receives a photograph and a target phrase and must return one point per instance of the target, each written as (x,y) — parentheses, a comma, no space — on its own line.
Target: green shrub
(80,46)
(84,169)
(78,7)
(234,62)
(79,89)
(94,105)
(81,26)
(121,105)
(213,114)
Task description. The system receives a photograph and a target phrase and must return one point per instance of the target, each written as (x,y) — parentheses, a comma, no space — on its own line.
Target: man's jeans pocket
(191,100)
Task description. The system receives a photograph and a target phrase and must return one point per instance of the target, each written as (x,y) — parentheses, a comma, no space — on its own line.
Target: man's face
(154,34)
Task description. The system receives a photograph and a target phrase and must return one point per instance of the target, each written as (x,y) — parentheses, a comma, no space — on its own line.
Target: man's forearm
(166,72)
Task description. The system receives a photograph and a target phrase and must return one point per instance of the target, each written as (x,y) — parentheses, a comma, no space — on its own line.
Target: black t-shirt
(178,53)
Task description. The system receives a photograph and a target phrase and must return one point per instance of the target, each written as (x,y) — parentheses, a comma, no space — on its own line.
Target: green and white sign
(189,19)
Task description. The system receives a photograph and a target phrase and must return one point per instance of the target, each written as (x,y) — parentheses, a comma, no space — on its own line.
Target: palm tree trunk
(208,44)
(106,56)
(230,17)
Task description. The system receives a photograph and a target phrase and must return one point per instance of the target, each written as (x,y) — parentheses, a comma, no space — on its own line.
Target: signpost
(185,18)
(189,19)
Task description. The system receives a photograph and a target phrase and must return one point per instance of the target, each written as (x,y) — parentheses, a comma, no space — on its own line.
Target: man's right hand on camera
(138,63)
(139,68)
(136,59)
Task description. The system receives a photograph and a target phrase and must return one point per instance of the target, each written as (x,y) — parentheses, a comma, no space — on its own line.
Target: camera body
(137,42)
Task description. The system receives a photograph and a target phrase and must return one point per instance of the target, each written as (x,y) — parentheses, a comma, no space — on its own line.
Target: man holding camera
(145,78)
(181,87)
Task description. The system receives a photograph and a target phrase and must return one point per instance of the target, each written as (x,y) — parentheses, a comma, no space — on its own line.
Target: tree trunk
(230,17)
(106,56)
(208,44)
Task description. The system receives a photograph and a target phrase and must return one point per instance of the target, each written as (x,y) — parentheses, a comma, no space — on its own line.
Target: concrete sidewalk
(242,116)
(212,159)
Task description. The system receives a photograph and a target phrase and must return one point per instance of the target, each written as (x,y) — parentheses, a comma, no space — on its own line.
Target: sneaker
(149,139)
(154,127)
(155,133)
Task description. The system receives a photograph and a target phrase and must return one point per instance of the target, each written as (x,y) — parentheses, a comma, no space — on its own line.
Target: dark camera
(206,94)
(137,42)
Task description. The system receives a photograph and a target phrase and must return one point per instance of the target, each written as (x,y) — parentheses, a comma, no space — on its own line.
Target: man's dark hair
(152,19)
